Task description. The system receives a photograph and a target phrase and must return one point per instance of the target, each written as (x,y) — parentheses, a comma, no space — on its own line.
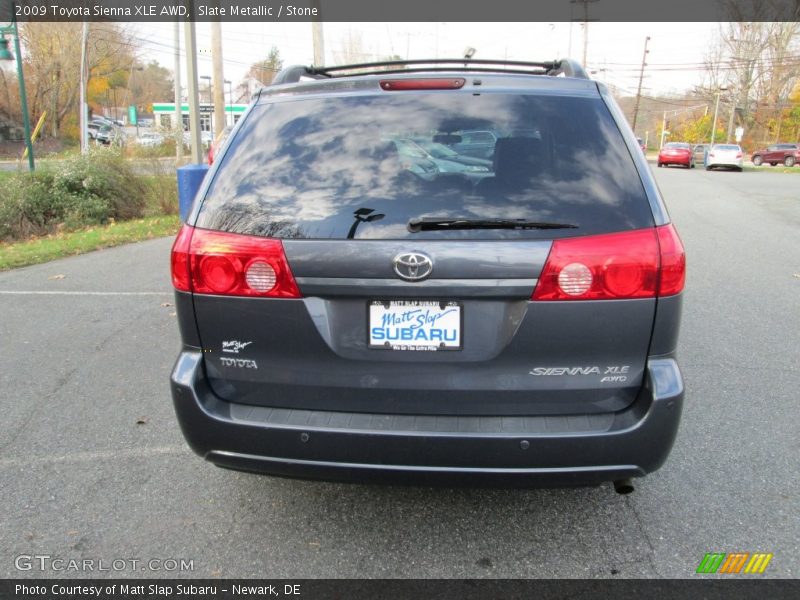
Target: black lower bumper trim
(631,443)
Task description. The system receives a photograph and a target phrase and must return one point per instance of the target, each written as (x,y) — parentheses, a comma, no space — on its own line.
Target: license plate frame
(410,311)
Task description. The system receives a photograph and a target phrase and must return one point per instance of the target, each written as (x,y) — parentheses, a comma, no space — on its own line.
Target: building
(165,116)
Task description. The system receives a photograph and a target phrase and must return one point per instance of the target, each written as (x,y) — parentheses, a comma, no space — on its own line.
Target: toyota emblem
(412,266)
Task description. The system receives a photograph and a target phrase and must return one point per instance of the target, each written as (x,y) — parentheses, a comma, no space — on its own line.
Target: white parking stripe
(90,456)
(63,293)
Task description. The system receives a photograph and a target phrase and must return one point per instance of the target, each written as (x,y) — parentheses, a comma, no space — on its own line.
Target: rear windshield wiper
(433,223)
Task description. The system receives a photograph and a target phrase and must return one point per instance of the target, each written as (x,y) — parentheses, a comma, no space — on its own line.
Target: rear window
(361,167)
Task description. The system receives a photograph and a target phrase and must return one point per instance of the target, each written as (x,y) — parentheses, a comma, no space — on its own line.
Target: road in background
(94,466)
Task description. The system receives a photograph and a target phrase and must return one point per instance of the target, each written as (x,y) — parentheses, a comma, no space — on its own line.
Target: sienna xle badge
(364,296)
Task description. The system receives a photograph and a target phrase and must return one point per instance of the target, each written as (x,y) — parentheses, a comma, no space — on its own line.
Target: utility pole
(190,43)
(585,25)
(319,43)
(178,98)
(730,121)
(318,37)
(641,76)
(716,111)
(663,130)
(219,78)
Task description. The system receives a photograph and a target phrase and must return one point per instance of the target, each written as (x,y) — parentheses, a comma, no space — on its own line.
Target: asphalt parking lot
(93,465)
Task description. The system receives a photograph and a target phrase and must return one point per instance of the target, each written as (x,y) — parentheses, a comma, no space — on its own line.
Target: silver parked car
(729,156)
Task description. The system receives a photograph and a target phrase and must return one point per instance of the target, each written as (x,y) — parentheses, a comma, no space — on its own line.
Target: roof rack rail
(293,74)
(565,66)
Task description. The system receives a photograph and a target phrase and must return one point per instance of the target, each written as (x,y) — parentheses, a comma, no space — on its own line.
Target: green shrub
(104,174)
(80,191)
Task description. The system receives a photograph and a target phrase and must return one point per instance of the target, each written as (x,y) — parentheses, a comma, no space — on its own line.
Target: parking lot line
(77,457)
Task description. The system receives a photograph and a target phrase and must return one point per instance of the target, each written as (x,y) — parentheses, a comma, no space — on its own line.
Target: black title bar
(388,589)
(407,10)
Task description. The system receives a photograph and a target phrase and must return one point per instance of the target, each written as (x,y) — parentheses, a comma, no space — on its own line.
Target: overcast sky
(677,50)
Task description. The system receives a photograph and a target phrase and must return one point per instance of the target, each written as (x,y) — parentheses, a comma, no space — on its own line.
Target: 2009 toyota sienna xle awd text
(350,312)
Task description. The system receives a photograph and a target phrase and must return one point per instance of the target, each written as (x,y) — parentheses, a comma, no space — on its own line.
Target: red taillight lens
(180,260)
(614,266)
(673,261)
(738,155)
(231,264)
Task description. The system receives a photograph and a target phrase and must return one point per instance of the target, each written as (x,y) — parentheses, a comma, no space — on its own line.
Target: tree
(52,69)
(265,70)
(757,62)
(352,50)
(148,84)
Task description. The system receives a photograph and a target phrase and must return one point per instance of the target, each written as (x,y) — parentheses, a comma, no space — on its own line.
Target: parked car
(343,317)
(102,121)
(788,154)
(92,129)
(150,139)
(215,145)
(676,153)
(110,134)
(699,153)
(725,155)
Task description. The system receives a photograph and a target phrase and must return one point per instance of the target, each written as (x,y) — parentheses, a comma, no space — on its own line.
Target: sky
(614,50)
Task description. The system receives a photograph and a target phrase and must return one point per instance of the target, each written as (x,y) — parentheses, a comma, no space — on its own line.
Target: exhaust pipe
(623,486)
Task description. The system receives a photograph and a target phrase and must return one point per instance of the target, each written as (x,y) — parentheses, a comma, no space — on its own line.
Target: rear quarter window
(339,167)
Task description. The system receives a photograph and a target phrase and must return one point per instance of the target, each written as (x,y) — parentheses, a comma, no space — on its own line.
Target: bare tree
(351,50)
(757,62)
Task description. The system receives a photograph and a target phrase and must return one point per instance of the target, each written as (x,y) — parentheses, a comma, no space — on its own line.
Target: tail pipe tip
(623,486)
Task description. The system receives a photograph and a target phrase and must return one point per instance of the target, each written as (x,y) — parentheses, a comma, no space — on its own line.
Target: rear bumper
(496,451)
(675,160)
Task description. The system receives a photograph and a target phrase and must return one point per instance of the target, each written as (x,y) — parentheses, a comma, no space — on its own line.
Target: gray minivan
(345,318)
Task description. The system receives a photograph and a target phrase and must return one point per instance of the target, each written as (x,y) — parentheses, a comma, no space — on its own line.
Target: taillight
(180,260)
(230,264)
(738,155)
(614,266)
(673,261)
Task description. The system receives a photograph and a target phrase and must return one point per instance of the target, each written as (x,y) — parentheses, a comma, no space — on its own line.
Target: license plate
(414,325)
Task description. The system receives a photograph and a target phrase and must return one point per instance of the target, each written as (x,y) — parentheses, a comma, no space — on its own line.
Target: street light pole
(230,100)
(23,98)
(84,113)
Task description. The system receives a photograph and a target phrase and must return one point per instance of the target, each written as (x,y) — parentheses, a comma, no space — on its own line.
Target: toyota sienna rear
(352,311)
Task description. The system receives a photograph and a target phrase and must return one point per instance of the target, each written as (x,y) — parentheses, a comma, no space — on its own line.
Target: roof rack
(565,66)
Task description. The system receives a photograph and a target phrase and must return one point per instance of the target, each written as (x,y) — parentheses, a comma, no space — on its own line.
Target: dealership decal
(234,346)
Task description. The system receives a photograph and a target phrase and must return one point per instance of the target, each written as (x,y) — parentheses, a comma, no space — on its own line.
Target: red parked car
(676,153)
(788,154)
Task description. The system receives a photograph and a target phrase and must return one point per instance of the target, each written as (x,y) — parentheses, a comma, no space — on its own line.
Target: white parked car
(725,155)
(150,139)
